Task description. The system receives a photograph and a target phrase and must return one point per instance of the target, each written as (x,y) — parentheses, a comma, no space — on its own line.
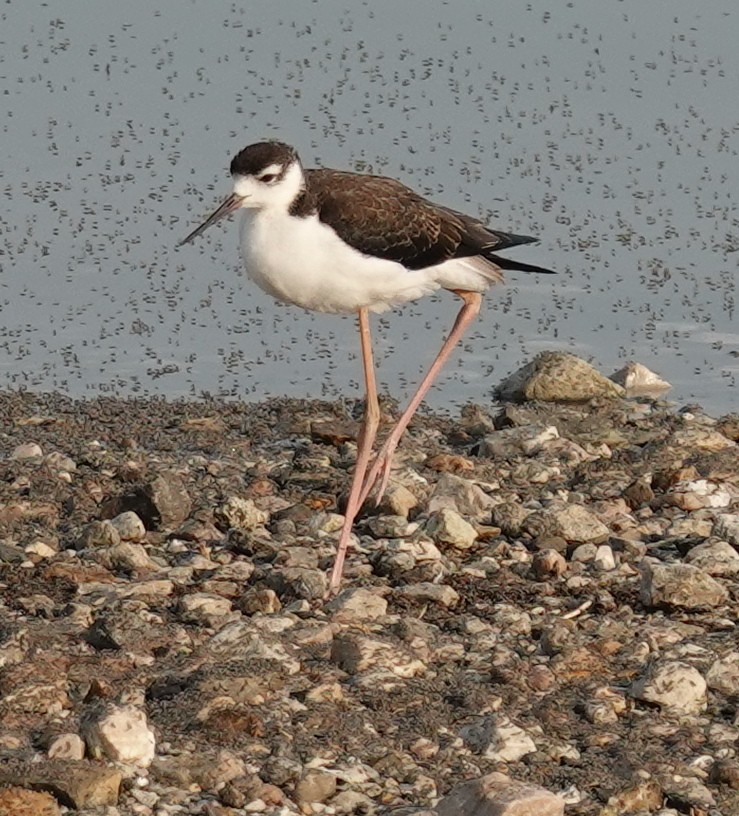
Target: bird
(342,242)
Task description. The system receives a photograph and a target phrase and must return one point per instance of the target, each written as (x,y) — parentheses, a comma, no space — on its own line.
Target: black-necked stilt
(342,242)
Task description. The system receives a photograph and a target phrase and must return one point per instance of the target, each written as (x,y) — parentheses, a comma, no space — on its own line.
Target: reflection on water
(608,129)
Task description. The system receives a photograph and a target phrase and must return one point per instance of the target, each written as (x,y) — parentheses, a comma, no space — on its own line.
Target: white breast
(303,261)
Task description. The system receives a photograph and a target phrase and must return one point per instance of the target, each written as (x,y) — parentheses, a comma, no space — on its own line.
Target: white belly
(302,261)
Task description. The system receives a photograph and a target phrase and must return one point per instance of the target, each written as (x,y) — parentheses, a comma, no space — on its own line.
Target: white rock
(498,795)
(29,450)
(357,605)
(67,746)
(121,734)
(448,527)
(723,675)
(604,559)
(498,738)
(637,379)
(672,685)
(715,557)
(129,526)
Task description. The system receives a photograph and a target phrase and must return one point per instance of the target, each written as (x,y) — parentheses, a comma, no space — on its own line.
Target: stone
(129,526)
(497,738)
(715,558)
(169,501)
(496,794)
(120,733)
(682,586)
(86,785)
(299,582)
(604,559)
(16,801)
(637,380)
(66,746)
(510,517)
(315,786)
(557,376)
(203,607)
(509,443)
(426,592)
(356,653)
(397,501)
(673,685)
(447,526)
(726,772)
(353,605)
(548,564)
(240,514)
(462,495)
(98,534)
(28,450)
(726,526)
(126,555)
(264,601)
(573,522)
(723,675)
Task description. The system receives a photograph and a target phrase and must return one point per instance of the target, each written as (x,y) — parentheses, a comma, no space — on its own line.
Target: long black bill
(230,204)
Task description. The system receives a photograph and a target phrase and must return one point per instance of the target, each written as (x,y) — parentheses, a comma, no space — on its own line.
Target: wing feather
(379,216)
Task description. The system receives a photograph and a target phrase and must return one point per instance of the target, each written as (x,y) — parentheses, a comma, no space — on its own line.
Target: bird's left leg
(381,467)
(366,439)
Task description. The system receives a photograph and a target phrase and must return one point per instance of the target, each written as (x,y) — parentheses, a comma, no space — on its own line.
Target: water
(606,128)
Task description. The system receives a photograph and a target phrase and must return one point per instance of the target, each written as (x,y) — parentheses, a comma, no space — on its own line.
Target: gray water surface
(609,129)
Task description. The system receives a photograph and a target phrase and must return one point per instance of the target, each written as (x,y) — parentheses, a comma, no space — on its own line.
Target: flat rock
(354,605)
(572,522)
(498,795)
(682,586)
(672,685)
(556,376)
(715,558)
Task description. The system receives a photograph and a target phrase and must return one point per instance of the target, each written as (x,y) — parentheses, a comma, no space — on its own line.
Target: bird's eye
(268,177)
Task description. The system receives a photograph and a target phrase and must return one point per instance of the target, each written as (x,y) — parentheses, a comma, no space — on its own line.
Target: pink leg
(364,449)
(381,466)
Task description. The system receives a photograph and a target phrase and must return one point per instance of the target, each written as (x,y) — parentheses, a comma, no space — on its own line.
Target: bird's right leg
(380,470)
(366,439)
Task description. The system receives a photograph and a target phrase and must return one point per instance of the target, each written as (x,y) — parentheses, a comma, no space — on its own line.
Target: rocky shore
(539,618)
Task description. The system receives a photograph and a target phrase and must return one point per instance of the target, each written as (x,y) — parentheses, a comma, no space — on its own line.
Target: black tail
(512,263)
(508,239)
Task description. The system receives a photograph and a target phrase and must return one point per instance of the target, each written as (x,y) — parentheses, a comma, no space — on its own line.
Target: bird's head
(266,176)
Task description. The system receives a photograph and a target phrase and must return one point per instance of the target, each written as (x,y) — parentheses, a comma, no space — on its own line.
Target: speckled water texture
(608,129)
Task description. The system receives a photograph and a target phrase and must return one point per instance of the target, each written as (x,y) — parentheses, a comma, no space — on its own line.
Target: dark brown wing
(381,217)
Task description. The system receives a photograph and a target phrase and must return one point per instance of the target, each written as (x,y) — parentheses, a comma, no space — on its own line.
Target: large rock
(556,376)
(22,802)
(498,738)
(446,526)
(119,733)
(498,795)
(672,685)
(572,522)
(679,585)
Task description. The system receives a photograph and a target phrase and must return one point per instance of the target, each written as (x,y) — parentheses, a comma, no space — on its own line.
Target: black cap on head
(254,158)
